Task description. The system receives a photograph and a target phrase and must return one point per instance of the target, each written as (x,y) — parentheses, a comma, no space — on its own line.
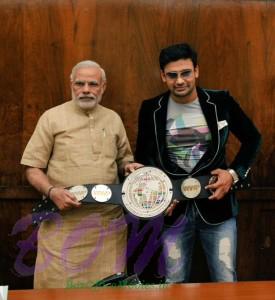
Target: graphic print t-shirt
(187,134)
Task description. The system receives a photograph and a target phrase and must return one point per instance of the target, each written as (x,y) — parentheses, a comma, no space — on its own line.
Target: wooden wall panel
(41,40)
(11,85)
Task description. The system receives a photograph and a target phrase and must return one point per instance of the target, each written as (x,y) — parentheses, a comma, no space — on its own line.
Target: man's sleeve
(124,154)
(39,147)
(145,152)
(248,135)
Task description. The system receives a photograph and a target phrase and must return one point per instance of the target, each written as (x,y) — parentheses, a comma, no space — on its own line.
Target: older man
(76,143)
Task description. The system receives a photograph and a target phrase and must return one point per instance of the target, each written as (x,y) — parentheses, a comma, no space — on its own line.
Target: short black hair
(176,52)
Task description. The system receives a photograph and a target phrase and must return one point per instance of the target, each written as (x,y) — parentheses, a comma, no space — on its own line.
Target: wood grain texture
(41,40)
(207,291)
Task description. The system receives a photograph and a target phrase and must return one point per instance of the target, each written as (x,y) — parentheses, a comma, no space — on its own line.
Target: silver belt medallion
(147,192)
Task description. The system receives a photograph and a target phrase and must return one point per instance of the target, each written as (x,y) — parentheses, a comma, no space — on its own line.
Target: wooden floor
(260,290)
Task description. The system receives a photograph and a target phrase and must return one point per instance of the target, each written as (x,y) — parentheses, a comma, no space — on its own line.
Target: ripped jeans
(218,242)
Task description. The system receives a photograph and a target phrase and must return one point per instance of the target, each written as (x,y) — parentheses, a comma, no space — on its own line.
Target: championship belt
(145,193)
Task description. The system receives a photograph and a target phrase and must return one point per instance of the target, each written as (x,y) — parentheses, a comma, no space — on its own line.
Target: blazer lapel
(209,110)
(160,115)
(210,113)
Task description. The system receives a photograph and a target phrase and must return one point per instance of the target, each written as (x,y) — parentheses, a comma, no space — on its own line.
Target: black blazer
(223,115)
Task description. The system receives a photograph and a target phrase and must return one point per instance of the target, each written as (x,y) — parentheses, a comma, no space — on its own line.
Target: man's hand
(63,198)
(171,207)
(131,167)
(222,186)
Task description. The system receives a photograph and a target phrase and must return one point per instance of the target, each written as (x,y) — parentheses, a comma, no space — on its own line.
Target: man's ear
(162,75)
(196,70)
(104,85)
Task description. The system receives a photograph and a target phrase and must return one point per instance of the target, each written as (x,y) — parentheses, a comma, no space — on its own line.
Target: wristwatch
(234,175)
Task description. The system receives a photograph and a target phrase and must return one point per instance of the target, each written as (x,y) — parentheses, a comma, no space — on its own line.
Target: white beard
(87,103)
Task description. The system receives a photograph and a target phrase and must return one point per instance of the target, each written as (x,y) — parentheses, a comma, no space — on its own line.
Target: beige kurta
(88,243)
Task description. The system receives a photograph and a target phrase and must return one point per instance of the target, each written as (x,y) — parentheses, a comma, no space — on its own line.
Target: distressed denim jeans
(218,242)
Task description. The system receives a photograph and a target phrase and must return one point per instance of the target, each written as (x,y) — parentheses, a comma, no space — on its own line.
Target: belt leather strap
(122,194)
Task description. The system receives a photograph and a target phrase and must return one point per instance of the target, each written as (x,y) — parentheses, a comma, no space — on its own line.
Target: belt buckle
(190,187)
